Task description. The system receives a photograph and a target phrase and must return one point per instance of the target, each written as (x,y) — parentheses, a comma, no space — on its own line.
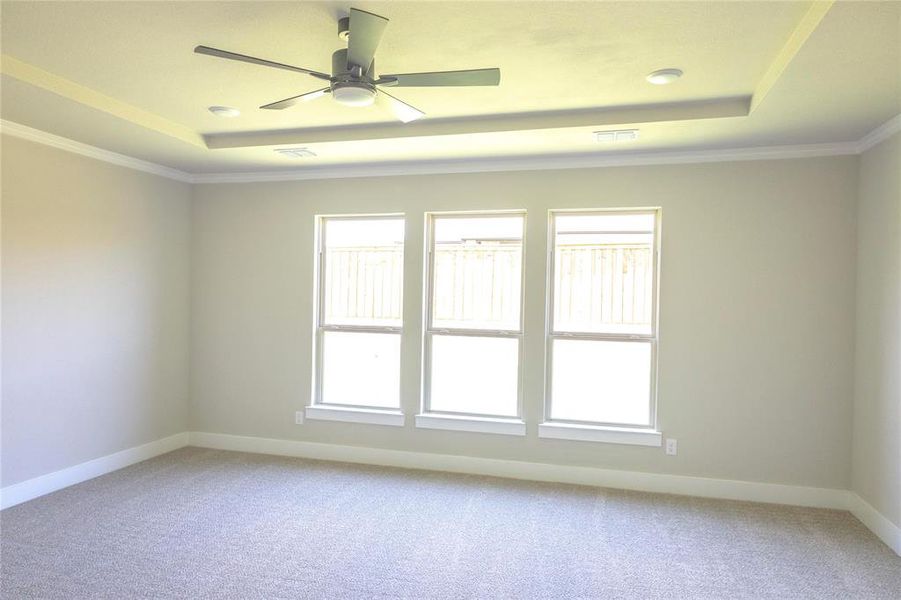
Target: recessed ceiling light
(225,111)
(664,76)
(295,152)
(616,135)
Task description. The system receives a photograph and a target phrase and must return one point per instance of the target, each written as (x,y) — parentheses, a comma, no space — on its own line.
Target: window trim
(596,430)
(458,422)
(346,414)
(429,331)
(558,430)
(320,328)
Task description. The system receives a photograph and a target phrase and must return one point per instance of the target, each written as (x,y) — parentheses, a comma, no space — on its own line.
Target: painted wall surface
(756,320)
(95,268)
(877,398)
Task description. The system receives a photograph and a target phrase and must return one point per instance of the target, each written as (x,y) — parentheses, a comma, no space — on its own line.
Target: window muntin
(359,314)
(473,332)
(602,331)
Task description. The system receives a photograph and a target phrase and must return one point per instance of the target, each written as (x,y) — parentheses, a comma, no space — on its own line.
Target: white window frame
(462,421)
(594,430)
(331,411)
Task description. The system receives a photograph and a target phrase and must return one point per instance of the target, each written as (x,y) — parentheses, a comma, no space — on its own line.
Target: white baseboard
(51,482)
(630,480)
(684,485)
(876,522)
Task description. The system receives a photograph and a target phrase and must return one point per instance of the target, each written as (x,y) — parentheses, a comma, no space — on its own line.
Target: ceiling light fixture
(353,93)
(354,80)
(225,111)
(616,135)
(664,76)
(295,152)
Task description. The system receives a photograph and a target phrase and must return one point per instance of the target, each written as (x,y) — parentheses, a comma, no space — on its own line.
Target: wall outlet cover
(672,446)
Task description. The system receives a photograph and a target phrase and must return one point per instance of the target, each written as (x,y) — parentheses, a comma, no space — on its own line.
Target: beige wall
(756,325)
(877,405)
(757,305)
(95,269)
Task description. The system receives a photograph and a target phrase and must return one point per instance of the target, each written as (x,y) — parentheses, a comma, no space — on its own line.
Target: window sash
(430,271)
(552,275)
(320,368)
(320,275)
(647,338)
(429,330)
(549,352)
(427,373)
(322,327)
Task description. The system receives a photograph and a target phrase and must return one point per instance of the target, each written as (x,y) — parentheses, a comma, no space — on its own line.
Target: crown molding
(880,134)
(482,165)
(48,139)
(534,163)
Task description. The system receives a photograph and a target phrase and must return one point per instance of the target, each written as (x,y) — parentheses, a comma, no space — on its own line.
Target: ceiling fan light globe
(354,94)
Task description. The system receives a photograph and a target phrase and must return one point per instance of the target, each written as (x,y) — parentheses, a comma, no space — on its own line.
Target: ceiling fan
(353,81)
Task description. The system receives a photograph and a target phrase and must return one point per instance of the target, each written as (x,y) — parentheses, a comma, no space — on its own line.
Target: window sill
(473,424)
(371,416)
(592,433)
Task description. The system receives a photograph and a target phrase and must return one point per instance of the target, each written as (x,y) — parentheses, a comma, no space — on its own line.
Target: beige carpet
(209,524)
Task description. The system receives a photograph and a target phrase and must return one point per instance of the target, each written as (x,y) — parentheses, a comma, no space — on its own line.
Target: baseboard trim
(684,485)
(631,480)
(51,482)
(876,522)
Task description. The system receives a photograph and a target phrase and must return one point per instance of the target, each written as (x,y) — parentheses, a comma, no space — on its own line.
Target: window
(473,331)
(602,341)
(359,312)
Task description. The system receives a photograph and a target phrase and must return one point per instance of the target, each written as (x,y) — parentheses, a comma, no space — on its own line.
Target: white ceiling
(556,58)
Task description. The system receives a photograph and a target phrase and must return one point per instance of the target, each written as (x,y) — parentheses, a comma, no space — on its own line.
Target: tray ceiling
(122,76)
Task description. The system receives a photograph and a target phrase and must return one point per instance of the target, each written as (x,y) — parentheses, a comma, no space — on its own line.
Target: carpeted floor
(209,524)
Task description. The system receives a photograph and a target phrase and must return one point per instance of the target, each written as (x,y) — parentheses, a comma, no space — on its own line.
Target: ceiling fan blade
(443,78)
(287,102)
(403,111)
(257,61)
(366,31)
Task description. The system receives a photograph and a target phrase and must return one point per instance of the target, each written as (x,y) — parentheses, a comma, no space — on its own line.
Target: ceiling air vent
(295,152)
(616,135)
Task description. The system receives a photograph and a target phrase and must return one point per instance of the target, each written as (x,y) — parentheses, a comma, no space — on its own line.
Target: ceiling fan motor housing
(341,69)
(347,87)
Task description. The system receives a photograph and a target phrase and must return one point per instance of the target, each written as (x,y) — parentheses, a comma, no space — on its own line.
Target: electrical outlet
(298,418)
(672,446)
